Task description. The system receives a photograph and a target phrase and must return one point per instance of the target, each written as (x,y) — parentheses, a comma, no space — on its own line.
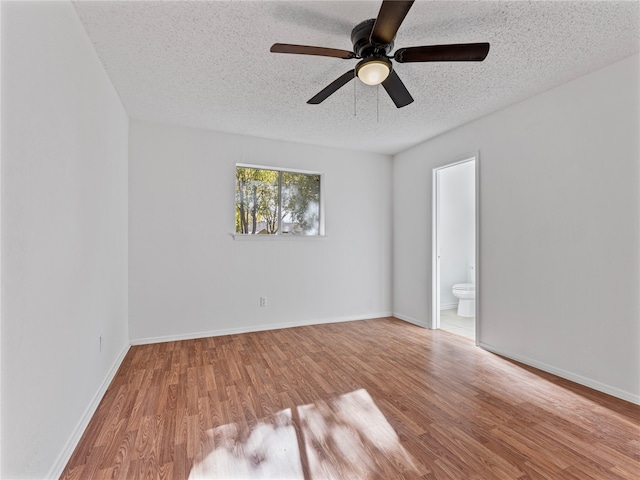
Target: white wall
(189,277)
(64,234)
(559,228)
(0,243)
(457,227)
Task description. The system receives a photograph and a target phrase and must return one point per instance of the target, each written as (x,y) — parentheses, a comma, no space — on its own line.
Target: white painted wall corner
(71,444)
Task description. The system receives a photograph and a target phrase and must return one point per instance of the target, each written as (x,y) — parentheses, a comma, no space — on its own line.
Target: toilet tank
(471,273)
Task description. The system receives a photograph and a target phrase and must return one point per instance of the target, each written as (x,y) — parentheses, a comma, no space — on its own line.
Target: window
(277,202)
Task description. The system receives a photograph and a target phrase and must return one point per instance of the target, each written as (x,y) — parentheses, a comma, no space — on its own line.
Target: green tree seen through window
(277,202)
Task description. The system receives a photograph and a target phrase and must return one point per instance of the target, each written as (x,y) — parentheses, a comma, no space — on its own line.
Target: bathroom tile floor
(452,323)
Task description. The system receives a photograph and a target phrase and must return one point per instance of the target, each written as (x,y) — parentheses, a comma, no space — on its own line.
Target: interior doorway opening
(455,247)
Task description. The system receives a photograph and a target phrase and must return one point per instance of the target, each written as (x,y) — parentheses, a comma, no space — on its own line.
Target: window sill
(278,238)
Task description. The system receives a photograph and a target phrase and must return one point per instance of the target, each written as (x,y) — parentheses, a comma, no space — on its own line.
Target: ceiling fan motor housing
(361,40)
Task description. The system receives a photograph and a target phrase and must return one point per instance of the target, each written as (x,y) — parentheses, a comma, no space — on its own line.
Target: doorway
(454,247)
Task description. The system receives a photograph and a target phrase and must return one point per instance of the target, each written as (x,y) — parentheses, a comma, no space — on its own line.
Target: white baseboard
(448,306)
(64,456)
(254,328)
(408,319)
(574,377)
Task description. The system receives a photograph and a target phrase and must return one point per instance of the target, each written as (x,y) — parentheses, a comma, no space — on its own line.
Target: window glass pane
(300,203)
(256,200)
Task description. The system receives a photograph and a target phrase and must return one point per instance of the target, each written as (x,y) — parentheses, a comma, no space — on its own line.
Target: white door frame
(435,243)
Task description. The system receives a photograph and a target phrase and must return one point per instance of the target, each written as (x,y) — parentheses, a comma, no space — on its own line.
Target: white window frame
(278,236)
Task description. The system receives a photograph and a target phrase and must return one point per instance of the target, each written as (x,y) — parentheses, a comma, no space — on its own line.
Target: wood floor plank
(372,399)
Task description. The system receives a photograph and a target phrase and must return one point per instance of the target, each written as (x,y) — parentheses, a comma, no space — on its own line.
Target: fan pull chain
(354,95)
(378,103)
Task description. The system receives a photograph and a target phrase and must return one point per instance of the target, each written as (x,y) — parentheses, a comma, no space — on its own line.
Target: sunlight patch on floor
(353,435)
(344,437)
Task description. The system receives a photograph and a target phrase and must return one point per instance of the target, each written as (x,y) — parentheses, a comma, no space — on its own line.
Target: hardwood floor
(379,399)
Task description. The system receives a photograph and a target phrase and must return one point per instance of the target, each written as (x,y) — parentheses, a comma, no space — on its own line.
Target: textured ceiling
(208,65)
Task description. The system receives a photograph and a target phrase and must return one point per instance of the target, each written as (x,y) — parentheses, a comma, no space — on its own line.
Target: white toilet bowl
(466,293)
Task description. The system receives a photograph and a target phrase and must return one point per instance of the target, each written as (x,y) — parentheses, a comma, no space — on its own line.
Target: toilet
(466,294)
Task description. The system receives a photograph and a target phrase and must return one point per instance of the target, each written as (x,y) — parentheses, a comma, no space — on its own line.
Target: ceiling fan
(372,42)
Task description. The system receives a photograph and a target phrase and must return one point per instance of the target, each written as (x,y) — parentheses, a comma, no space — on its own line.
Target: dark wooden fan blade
(306,50)
(389,19)
(396,90)
(332,88)
(462,52)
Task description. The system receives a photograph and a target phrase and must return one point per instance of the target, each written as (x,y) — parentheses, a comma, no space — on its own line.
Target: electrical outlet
(263,301)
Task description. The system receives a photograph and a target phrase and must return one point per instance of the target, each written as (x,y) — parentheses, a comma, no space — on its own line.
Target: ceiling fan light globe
(374,72)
